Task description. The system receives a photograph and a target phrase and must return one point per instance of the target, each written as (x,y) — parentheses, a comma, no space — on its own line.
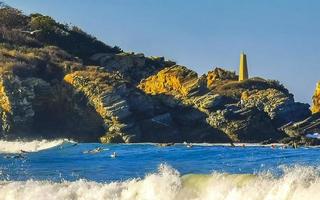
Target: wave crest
(30,146)
(296,184)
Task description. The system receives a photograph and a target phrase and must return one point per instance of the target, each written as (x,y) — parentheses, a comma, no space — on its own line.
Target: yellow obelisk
(243,68)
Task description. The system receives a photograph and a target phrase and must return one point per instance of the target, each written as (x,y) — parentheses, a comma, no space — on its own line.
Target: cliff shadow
(66,113)
(163,118)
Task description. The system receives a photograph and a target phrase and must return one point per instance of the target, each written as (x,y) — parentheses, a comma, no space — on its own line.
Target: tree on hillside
(44,23)
(11,17)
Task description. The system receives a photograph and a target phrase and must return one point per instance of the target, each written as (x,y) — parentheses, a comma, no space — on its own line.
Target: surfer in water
(94,151)
(113,155)
(24,152)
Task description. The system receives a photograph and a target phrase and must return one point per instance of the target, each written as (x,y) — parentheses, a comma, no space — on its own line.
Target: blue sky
(280,37)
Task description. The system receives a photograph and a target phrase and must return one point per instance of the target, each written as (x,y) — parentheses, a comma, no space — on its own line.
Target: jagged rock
(112,138)
(243,124)
(280,107)
(119,62)
(155,119)
(132,66)
(105,93)
(177,81)
(209,102)
(297,141)
(316,99)
(308,125)
(219,74)
(301,128)
(16,104)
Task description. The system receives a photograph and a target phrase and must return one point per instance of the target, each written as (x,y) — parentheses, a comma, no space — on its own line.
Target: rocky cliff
(62,82)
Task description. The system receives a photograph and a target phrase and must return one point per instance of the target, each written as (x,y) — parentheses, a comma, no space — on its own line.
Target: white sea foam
(300,183)
(29,146)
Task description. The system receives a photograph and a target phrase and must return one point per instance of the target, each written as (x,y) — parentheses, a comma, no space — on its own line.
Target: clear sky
(281,37)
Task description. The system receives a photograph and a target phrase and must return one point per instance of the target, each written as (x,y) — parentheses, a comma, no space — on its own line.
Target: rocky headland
(57,81)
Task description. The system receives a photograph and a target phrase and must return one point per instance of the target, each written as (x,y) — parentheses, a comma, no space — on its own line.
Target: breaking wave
(30,146)
(296,183)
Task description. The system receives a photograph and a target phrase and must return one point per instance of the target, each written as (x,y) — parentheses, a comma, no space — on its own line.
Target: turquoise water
(68,163)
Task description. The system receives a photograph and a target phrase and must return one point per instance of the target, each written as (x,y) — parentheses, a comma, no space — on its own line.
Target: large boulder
(177,81)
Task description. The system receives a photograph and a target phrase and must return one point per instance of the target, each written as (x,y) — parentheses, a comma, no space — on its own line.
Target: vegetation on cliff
(58,81)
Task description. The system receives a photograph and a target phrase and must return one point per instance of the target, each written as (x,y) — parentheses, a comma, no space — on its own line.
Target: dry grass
(48,62)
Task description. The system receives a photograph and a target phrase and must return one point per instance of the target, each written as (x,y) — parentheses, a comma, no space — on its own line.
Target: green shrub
(44,23)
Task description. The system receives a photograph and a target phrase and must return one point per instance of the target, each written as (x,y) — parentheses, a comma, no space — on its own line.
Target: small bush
(44,23)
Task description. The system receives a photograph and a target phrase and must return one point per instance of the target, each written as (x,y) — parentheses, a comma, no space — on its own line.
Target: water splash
(296,183)
(30,146)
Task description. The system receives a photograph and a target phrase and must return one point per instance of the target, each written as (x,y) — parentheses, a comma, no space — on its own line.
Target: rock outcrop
(219,74)
(280,106)
(106,93)
(248,111)
(244,124)
(16,107)
(177,81)
(129,115)
(298,130)
(133,66)
(64,83)
(304,127)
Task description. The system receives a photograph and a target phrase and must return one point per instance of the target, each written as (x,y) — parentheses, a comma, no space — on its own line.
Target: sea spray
(297,183)
(30,146)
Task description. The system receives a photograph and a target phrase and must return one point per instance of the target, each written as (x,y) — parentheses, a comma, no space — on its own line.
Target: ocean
(63,169)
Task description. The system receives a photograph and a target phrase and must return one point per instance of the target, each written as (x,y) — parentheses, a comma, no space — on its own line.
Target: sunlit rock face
(316,99)
(176,80)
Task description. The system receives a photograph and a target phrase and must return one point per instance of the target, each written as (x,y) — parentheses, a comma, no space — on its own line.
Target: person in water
(189,145)
(294,145)
(93,151)
(113,155)
(23,151)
